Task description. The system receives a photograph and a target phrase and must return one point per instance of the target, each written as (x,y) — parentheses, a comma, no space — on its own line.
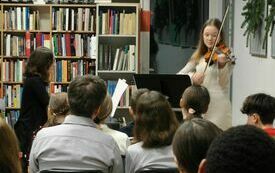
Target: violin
(220,49)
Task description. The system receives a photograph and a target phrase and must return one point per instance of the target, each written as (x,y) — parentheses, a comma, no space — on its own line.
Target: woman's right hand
(198,78)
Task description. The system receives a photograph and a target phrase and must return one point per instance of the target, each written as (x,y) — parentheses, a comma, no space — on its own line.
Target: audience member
(105,110)
(128,129)
(240,149)
(260,110)
(77,144)
(35,99)
(155,125)
(9,149)
(194,102)
(58,109)
(191,142)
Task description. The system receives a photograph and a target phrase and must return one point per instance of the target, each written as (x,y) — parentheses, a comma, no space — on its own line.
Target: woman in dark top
(35,99)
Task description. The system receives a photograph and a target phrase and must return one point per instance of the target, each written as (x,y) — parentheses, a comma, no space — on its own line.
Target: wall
(251,74)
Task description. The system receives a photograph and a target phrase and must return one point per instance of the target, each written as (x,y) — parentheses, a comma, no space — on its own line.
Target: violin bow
(216,41)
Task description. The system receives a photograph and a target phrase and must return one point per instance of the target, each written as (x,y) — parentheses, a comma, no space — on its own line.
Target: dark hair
(105,110)
(9,149)
(136,94)
(241,149)
(86,93)
(39,63)
(262,104)
(196,97)
(191,142)
(155,123)
(201,48)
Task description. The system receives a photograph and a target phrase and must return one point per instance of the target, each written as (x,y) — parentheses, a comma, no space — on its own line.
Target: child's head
(58,108)
(191,142)
(105,110)
(39,63)
(155,122)
(9,149)
(260,109)
(208,35)
(133,101)
(194,102)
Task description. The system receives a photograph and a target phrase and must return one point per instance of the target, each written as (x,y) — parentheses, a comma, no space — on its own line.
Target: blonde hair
(9,149)
(58,108)
(105,109)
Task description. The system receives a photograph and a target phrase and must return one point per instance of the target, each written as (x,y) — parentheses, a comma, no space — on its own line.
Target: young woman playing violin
(215,76)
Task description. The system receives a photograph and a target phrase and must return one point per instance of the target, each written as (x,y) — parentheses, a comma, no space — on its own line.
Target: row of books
(117,22)
(57,88)
(23,45)
(80,19)
(66,70)
(12,70)
(125,99)
(13,95)
(11,117)
(74,45)
(119,59)
(21,18)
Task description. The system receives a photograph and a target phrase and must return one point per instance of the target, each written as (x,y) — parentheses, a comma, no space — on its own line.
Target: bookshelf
(118,46)
(99,39)
(68,29)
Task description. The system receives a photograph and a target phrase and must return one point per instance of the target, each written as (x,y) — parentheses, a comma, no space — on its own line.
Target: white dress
(217,81)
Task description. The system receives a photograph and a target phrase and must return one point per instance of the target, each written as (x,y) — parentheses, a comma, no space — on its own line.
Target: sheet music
(119,90)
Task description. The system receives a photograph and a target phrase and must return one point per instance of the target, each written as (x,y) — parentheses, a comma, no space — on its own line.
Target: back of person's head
(58,108)
(261,104)
(9,149)
(86,93)
(105,110)
(241,149)
(136,94)
(195,100)
(155,123)
(39,63)
(191,142)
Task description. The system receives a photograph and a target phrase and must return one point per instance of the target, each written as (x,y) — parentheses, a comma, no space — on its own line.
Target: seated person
(194,102)
(105,110)
(58,109)
(77,144)
(241,149)
(260,111)
(128,129)
(155,126)
(9,149)
(191,142)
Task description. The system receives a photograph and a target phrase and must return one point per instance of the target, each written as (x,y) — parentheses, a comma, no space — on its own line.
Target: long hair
(9,149)
(39,63)
(201,47)
(155,122)
(105,110)
(58,109)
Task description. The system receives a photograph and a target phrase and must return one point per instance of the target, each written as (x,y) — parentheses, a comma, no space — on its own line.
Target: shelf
(116,35)
(73,58)
(12,83)
(73,32)
(60,83)
(12,108)
(15,57)
(24,31)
